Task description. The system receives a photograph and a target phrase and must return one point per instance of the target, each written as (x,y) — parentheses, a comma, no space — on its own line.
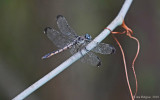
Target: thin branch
(116,22)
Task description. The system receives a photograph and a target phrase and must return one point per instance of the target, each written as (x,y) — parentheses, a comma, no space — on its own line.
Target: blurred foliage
(22,44)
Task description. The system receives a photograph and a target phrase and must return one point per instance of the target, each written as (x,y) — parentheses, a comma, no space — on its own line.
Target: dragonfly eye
(87,36)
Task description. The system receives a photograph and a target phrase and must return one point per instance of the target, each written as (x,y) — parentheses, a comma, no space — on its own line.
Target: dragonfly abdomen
(57,51)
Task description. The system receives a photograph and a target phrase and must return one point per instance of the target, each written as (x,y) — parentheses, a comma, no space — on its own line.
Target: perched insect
(68,39)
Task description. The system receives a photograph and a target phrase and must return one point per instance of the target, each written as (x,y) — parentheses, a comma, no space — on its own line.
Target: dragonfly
(68,39)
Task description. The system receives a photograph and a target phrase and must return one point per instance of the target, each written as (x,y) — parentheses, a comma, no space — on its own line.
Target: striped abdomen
(58,51)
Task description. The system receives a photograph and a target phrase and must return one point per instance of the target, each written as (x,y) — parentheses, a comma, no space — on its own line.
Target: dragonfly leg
(80,47)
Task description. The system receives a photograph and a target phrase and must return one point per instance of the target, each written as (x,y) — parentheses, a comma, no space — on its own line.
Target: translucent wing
(58,39)
(92,59)
(64,27)
(89,58)
(104,48)
(74,49)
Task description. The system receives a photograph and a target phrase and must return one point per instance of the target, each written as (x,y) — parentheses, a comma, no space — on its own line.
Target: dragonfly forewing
(64,27)
(104,48)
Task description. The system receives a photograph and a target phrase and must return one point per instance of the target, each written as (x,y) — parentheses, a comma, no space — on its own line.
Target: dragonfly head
(88,37)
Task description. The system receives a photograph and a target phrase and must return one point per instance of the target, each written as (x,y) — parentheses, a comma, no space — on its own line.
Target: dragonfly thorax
(82,39)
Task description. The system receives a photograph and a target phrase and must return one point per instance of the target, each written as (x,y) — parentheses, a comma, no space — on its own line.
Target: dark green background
(22,44)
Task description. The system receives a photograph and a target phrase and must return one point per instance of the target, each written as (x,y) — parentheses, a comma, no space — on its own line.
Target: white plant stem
(116,22)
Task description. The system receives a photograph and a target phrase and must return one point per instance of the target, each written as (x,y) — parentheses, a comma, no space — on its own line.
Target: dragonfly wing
(57,38)
(92,59)
(89,58)
(64,27)
(73,49)
(104,48)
